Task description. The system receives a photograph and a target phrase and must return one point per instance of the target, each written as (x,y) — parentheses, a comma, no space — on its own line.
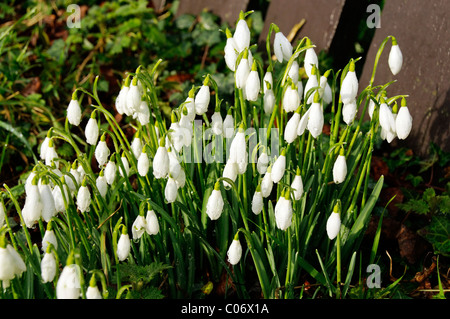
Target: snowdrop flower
(334,222)
(139,227)
(161,161)
(44,145)
(228,125)
(176,134)
(395,60)
(349,112)
(217,123)
(252,84)
(234,252)
(171,190)
(267,183)
(291,100)
(133,98)
(230,171)
(242,71)
(403,122)
(92,130)
(316,120)
(68,285)
(310,84)
(110,171)
(214,206)
(349,87)
(74,111)
(93,292)
(181,179)
(123,245)
(143,115)
(262,163)
(242,33)
(32,210)
(174,165)
(102,184)
(269,99)
(294,72)
(231,51)
(136,145)
(303,123)
(281,46)
(189,104)
(125,171)
(279,167)
(49,238)
(238,151)
(202,98)
(152,222)
(257,201)
(371,108)
(11,263)
(83,198)
(58,193)
(143,163)
(310,59)
(386,118)
(102,151)
(268,78)
(297,185)
(48,266)
(48,202)
(283,211)
(50,153)
(325,89)
(121,100)
(340,168)
(290,131)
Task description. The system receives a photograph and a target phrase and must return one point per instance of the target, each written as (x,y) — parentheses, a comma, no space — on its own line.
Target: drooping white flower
(181,179)
(252,84)
(217,123)
(291,100)
(102,184)
(48,202)
(311,84)
(334,222)
(68,285)
(214,206)
(171,190)
(242,34)
(202,98)
(325,90)
(49,238)
(386,118)
(234,252)
(316,119)
(50,153)
(267,183)
(278,167)
(44,146)
(242,71)
(230,171)
(93,292)
(125,171)
(262,163)
(282,47)
(303,123)
(74,111)
(32,210)
(174,164)
(228,125)
(123,245)
(310,59)
(269,100)
(143,163)
(395,60)
(283,211)
(133,98)
(293,73)
(121,100)
(231,51)
(349,112)
(257,201)
(238,151)
(83,198)
(110,172)
(290,131)
(102,151)
(340,168)
(349,87)
(161,161)
(297,185)
(143,115)
(92,130)
(139,227)
(136,145)
(48,267)
(11,263)
(152,222)
(403,122)
(268,80)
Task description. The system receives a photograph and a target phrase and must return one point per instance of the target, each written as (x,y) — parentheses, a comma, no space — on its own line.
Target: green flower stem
(243,105)
(377,58)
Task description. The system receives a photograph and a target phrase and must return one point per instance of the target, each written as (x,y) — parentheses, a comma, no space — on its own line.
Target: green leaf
(438,234)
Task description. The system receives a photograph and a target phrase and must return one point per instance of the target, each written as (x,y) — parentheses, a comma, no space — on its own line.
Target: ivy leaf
(437,233)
